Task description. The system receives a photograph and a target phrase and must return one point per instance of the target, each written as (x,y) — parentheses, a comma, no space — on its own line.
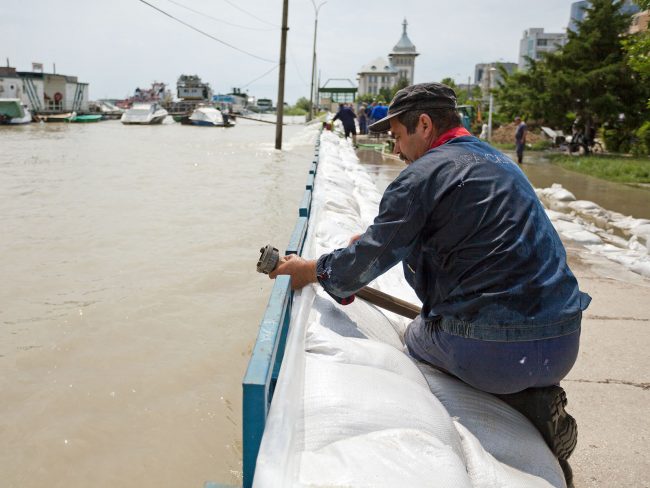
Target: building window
(541,42)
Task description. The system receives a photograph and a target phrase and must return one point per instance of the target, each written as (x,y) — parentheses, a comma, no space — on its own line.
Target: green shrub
(295,111)
(617,140)
(641,146)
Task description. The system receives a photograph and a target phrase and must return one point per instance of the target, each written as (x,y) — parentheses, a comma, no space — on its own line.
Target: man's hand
(302,271)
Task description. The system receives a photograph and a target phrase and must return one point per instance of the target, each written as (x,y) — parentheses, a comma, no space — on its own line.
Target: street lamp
(313,61)
(490,80)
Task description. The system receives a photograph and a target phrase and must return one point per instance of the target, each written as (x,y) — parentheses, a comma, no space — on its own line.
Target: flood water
(626,199)
(129,301)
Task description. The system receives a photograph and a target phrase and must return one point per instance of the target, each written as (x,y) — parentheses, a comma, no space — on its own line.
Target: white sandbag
(389,458)
(501,430)
(332,346)
(348,400)
(358,319)
(486,472)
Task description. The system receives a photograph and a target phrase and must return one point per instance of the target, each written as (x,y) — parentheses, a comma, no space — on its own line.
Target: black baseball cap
(423,96)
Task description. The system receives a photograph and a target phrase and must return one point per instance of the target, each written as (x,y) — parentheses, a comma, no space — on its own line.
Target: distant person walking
(520,139)
(346,115)
(369,110)
(363,120)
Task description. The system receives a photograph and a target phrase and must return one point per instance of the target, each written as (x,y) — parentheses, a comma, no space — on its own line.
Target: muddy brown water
(129,301)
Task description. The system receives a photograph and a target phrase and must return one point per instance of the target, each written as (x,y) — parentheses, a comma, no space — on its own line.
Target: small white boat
(13,111)
(144,113)
(210,117)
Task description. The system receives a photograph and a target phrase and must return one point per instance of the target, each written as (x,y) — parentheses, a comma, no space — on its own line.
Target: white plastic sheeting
(352,409)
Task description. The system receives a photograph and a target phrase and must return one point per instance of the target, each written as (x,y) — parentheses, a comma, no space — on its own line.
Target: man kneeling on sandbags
(501,308)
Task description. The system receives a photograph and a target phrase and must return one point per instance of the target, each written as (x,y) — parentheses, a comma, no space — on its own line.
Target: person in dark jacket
(501,308)
(520,139)
(347,116)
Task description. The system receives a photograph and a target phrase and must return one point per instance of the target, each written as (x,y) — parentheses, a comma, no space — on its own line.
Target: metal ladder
(32,94)
(78,97)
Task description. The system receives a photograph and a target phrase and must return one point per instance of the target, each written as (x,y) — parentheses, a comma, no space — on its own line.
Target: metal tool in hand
(270,257)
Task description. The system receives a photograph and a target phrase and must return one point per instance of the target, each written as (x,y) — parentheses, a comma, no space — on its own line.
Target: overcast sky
(117,45)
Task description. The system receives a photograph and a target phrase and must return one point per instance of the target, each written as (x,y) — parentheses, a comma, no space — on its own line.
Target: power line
(261,76)
(205,33)
(295,65)
(250,14)
(220,20)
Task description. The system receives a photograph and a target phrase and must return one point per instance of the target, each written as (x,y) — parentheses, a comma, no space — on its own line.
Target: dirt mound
(506,135)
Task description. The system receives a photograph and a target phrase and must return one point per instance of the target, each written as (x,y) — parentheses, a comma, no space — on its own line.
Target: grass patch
(502,146)
(607,167)
(508,146)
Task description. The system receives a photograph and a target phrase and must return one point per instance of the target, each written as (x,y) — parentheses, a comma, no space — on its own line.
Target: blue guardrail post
(257,381)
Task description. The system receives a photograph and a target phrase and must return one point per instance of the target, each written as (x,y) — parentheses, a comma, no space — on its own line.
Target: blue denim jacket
(475,244)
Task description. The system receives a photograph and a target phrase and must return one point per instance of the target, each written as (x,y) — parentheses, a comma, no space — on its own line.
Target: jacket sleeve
(384,244)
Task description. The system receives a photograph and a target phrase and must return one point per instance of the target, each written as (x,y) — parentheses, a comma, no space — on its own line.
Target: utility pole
(491,72)
(313,61)
(283,56)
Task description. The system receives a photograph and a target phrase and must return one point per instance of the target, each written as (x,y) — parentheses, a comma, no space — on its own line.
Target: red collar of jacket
(449,135)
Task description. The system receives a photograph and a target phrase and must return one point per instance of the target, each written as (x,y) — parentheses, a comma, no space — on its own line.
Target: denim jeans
(494,366)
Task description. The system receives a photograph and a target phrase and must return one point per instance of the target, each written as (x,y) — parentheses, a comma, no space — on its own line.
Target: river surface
(129,301)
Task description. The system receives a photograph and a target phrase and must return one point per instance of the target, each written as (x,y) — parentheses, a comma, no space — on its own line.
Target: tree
(637,47)
(526,93)
(366,98)
(588,78)
(302,103)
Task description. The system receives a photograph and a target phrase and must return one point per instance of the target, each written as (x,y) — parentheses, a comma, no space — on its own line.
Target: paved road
(609,387)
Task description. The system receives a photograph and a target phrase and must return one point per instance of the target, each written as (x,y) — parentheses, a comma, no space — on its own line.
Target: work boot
(568,472)
(544,407)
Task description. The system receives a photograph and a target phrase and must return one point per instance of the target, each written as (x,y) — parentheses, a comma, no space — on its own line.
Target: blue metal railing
(266,359)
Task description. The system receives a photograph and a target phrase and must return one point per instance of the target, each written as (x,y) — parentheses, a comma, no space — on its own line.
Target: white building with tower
(385,73)
(403,56)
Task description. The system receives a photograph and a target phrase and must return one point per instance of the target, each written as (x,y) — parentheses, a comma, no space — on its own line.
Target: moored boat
(208,117)
(86,118)
(64,117)
(13,111)
(145,114)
